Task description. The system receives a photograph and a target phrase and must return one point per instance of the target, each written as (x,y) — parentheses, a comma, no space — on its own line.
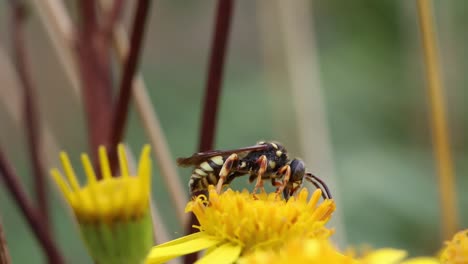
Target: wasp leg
(276,183)
(286,172)
(227,166)
(263,162)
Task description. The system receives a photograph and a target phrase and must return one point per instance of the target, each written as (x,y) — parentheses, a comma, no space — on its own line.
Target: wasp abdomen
(205,174)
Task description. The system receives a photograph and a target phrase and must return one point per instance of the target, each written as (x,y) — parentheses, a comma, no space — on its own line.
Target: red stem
(94,64)
(215,74)
(32,216)
(129,69)
(113,16)
(213,90)
(29,106)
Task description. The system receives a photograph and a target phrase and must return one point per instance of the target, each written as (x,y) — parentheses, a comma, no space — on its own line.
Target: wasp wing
(200,157)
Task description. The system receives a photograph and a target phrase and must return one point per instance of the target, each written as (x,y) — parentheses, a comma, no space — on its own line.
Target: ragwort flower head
(238,223)
(113,212)
(322,251)
(456,250)
(394,256)
(311,251)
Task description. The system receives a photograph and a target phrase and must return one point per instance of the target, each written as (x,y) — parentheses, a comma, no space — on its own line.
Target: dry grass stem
(30,113)
(58,23)
(129,69)
(216,63)
(440,131)
(10,100)
(273,65)
(303,70)
(154,131)
(59,27)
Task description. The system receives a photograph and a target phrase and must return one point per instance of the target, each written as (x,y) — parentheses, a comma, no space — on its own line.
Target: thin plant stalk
(30,108)
(438,119)
(59,27)
(215,74)
(93,59)
(297,32)
(4,254)
(32,216)
(10,99)
(129,70)
(273,66)
(213,89)
(56,19)
(113,14)
(154,132)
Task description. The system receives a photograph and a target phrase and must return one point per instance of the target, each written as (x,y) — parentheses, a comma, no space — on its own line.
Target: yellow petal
(69,172)
(179,247)
(384,256)
(123,160)
(104,160)
(88,168)
(182,239)
(421,260)
(226,253)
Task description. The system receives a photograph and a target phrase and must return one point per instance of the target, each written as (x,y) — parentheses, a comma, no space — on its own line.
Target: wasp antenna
(314,179)
(324,195)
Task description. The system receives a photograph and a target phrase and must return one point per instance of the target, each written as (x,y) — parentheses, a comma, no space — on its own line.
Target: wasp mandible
(263,161)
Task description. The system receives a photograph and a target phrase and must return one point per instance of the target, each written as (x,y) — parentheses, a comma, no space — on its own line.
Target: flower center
(264,220)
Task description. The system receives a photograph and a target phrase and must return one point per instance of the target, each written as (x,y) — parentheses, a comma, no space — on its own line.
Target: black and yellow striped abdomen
(205,174)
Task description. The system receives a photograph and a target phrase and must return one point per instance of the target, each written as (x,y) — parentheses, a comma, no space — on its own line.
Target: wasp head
(297,175)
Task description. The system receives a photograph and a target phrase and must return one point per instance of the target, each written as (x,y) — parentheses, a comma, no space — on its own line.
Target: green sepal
(119,242)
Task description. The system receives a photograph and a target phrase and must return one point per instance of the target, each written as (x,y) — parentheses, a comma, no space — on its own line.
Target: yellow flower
(321,251)
(456,250)
(394,256)
(311,251)
(112,213)
(237,223)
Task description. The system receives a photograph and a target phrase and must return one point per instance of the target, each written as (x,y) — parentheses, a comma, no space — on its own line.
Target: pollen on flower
(259,221)
(456,250)
(111,198)
(233,224)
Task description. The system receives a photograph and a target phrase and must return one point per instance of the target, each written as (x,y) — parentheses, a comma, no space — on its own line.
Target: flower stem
(440,133)
(130,67)
(152,126)
(213,89)
(94,65)
(32,216)
(30,109)
(215,74)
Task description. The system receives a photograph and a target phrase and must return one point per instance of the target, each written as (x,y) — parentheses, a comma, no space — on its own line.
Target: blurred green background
(372,81)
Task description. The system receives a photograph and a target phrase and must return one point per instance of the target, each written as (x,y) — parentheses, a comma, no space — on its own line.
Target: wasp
(263,161)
